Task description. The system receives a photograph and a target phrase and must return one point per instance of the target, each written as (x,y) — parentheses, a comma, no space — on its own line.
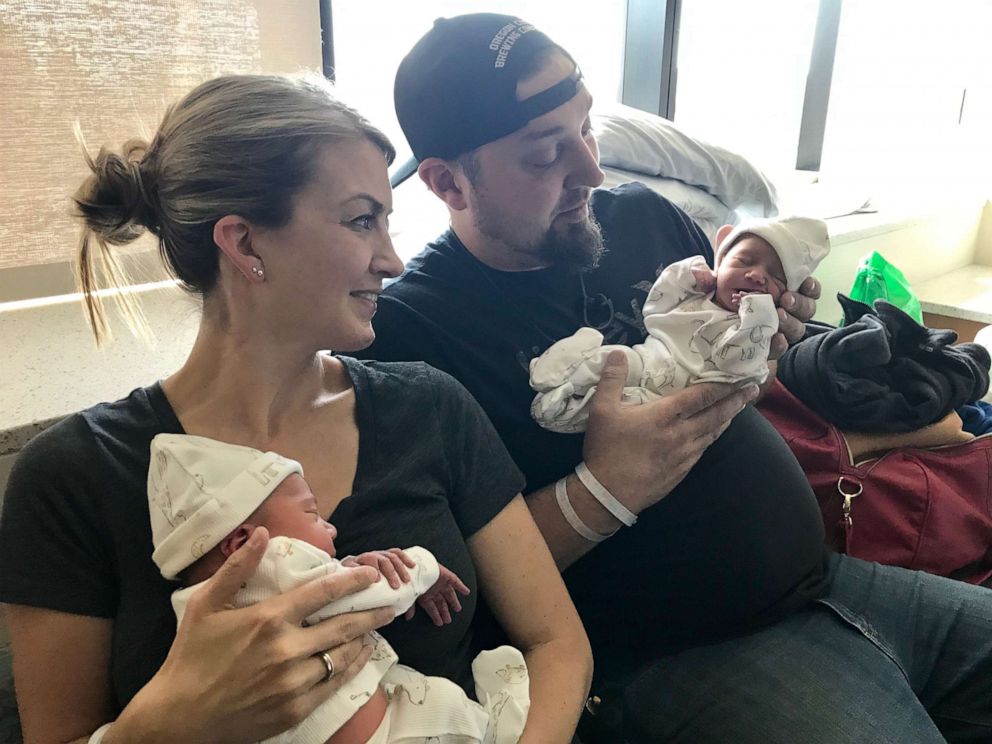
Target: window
(909,95)
(372,36)
(911,90)
(741,75)
(114,65)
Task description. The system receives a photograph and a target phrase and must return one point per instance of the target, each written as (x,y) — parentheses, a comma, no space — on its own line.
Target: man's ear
(236,539)
(441,178)
(233,235)
(722,234)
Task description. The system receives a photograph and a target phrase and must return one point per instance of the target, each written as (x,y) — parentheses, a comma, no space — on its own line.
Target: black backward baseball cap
(457,88)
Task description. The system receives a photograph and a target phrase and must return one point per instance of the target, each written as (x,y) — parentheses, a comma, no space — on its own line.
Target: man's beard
(578,244)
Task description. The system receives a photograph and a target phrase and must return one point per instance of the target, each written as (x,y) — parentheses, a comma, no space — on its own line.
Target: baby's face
(291,511)
(751,266)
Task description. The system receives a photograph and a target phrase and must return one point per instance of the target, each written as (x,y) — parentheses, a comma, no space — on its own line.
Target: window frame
(650,70)
(327,38)
(813,125)
(653,31)
(650,54)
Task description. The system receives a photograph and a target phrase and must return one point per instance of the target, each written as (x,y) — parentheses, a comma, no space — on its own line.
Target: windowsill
(965,293)
(53,366)
(856,208)
(853,227)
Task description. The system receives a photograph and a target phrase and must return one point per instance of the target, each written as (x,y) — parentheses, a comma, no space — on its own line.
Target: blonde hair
(240,144)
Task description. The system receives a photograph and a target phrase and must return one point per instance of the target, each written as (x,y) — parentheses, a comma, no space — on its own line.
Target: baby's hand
(441,599)
(705,278)
(392,564)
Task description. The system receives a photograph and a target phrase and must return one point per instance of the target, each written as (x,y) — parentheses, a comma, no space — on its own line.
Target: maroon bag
(925,509)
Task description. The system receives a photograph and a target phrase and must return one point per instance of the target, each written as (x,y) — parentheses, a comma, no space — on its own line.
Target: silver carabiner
(848,497)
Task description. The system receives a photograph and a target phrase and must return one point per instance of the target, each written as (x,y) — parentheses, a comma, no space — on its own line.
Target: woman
(270,199)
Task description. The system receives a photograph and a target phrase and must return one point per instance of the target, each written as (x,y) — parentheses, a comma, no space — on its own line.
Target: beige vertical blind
(114,66)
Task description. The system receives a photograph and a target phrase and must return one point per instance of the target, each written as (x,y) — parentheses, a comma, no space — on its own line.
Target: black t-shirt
(736,545)
(75,533)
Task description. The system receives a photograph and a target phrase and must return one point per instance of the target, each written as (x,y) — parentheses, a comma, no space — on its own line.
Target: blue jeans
(887,656)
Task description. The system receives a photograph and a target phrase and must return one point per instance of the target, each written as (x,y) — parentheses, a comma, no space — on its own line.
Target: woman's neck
(244,388)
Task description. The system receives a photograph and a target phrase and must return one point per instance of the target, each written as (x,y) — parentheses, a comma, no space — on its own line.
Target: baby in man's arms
(702,326)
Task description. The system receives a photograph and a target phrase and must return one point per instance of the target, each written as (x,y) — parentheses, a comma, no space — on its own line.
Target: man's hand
(705,278)
(442,599)
(640,453)
(795,308)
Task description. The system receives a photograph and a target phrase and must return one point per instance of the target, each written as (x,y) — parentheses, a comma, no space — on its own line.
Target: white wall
(107,65)
(921,247)
(983,249)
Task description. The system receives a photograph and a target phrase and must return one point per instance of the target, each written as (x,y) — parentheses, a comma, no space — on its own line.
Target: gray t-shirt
(75,534)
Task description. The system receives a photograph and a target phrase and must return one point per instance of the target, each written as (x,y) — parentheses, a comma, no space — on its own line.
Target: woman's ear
(441,178)
(233,235)
(236,539)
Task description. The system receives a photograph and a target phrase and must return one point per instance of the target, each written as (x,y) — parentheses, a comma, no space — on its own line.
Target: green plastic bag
(877,279)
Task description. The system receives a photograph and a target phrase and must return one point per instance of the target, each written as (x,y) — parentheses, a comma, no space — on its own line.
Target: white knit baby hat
(200,490)
(800,242)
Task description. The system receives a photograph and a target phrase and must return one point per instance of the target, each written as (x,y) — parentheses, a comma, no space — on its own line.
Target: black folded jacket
(882,371)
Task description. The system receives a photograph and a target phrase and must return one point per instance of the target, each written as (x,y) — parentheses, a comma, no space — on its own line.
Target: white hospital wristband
(604,497)
(97,735)
(573,519)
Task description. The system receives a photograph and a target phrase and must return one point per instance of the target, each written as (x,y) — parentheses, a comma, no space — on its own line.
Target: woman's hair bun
(114,200)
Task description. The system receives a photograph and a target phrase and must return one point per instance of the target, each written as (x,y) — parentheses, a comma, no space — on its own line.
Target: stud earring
(260,273)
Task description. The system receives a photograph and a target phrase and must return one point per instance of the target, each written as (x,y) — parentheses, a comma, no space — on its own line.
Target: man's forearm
(566,545)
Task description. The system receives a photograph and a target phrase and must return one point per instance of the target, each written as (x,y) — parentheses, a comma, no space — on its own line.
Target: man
(719,612)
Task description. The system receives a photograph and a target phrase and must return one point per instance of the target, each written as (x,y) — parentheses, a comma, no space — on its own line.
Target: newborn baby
(702,326)
(205,500)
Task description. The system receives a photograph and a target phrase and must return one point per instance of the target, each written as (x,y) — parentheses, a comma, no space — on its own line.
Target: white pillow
(637,141)
(708,212)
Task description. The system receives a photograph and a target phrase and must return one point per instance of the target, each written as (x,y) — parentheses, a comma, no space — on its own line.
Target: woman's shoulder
(414,393)
(402,378)
(75,509)
(80,437)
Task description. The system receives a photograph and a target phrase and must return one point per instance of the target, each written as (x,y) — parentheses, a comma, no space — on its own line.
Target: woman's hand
(242,675)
